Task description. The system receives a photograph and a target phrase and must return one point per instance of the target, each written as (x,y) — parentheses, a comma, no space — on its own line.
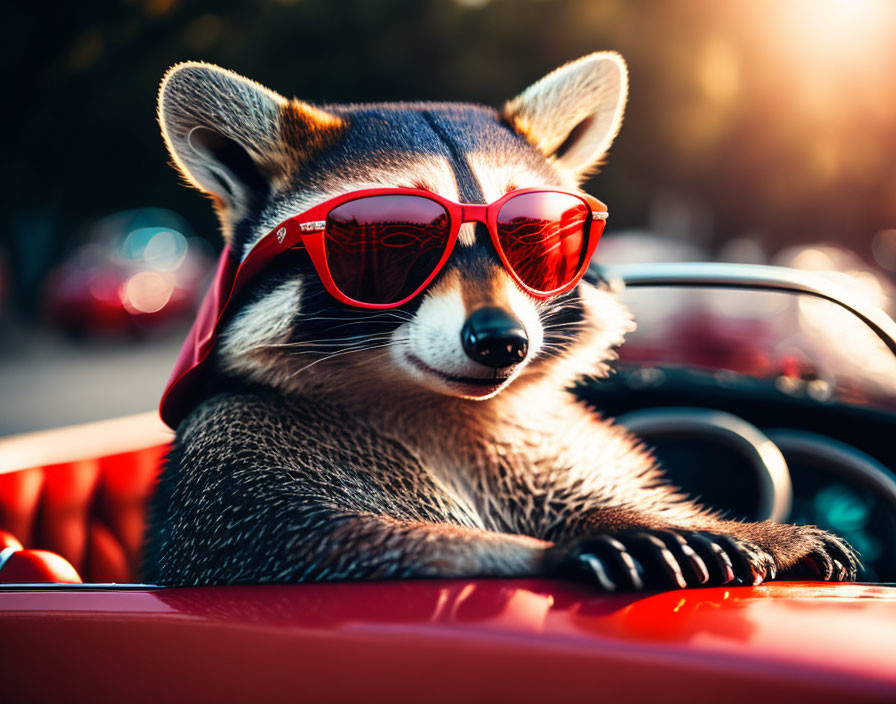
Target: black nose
(493,337)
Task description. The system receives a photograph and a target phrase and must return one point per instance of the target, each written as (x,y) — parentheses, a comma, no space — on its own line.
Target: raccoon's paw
(824,556)
(642,559)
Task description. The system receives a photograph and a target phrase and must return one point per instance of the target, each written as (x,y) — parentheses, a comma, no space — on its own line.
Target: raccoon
(438,438)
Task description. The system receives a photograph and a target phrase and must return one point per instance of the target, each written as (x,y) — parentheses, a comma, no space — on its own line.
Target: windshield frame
(752,277)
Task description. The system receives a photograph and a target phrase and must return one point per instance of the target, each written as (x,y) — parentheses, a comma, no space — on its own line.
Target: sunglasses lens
(381,249)
(543,236)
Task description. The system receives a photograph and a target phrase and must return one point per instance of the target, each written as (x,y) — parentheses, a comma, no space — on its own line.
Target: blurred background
(760,132)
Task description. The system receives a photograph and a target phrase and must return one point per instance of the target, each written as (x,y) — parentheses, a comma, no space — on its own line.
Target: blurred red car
(138,270)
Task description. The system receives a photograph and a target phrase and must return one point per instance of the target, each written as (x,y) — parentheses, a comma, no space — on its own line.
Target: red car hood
(485,640)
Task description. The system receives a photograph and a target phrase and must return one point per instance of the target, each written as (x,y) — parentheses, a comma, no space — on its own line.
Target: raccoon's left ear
(573,114)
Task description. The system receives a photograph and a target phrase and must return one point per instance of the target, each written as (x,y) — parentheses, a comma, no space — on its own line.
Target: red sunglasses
(380,247)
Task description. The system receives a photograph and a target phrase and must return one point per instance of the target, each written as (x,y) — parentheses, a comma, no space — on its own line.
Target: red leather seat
(91,512)
(19,565)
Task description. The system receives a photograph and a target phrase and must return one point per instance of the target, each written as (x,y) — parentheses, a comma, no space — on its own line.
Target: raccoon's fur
(341,443)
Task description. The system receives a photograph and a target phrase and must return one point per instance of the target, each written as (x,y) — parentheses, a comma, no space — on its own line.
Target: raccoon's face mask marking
(473,330)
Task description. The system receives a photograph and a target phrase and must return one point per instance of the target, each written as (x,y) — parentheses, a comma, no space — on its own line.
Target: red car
(136,271)
(801,433)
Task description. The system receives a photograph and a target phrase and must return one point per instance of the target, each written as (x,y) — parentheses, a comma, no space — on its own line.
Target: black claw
(825,565)
(597,570)
(698,567)
(697,572)
(845,555)
(840,573)
(722,570)
(639,576)
(674,568)
(761,573)
(743,568)
(606,561)
(628,565)
(660,564)
(765,565)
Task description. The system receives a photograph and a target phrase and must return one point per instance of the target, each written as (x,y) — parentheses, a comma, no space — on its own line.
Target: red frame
(458,214)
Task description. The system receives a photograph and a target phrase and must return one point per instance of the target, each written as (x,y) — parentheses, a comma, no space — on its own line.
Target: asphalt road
(47,381)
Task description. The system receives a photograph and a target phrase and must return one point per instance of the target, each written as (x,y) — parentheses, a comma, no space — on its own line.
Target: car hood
(452,640)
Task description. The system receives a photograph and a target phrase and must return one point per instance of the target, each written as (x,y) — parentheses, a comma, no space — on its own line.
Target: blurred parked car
(137,270)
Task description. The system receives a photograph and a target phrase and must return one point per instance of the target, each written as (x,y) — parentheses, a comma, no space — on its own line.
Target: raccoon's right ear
(573,114)
(235,139)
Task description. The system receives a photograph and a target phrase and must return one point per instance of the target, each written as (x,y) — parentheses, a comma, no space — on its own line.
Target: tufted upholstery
(89,510)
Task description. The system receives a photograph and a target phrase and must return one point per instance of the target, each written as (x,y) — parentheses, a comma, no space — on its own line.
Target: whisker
(336,354)
(329,342)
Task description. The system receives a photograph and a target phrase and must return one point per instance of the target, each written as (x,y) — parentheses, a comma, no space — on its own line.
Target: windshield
(797,344)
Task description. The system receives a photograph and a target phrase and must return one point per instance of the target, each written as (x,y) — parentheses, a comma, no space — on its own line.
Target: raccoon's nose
(495,338)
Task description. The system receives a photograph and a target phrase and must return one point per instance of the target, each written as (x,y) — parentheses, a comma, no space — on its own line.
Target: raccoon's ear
(235,139)
(573,114)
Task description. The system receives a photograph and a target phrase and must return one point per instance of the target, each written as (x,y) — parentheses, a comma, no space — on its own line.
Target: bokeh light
(147,292)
